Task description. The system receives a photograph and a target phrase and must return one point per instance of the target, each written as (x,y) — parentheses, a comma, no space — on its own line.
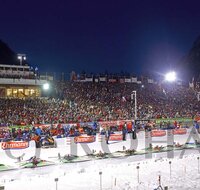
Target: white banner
(134,79)
(150,81)
(102,79)
(88,79)
(127,80)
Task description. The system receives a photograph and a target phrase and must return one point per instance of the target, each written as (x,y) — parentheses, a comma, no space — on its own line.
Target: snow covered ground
(117,174)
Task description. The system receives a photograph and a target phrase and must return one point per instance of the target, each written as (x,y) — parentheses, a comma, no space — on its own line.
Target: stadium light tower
(134,93)
(170,77)
(21,57)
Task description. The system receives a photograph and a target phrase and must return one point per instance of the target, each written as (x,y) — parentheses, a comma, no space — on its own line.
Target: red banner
(157,133)
(179,131)
(108,123)
(122,122)
(115,137)
(14,145)
(114,123)
(84,139)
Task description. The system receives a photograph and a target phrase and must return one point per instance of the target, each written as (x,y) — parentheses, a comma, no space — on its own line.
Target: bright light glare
(171,76)
(19,57)
(46,86)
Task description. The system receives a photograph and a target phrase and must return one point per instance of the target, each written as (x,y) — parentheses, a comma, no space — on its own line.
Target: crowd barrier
(60,142)
(84,139)
(69,140)
(158,133)
(113,137)
(16,145)
(101,138)
(180,131)
(15,149)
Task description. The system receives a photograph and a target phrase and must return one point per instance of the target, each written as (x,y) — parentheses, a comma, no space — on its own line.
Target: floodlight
(170,77)
(46,86)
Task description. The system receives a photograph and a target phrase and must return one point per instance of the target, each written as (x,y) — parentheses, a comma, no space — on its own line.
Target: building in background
(20,81)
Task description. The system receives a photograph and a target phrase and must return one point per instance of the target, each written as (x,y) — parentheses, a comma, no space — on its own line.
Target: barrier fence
(17,145)
(109,123)
(158,133)
(62,142)
(161,133)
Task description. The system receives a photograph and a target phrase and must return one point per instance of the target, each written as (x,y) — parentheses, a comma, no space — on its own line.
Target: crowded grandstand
(89,103)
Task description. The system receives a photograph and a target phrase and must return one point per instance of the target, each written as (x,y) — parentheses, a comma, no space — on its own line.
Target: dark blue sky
(95,36)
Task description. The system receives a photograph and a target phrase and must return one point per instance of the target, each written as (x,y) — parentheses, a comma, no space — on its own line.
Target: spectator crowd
(92,102)
(87,102)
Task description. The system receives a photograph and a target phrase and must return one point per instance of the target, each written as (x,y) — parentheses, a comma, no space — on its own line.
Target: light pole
(170,169)
(134,93)
(56,180)
(138,174)
(100,174)
(21,57)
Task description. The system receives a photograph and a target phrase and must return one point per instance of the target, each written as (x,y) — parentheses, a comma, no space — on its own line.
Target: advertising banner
(84,139)
(102,79)
(127,80)
(115,137)
(134,80)
(14,145)
(180,131)
(158,133)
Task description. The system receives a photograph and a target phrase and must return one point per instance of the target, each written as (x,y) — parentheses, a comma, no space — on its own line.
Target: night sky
(94,36)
